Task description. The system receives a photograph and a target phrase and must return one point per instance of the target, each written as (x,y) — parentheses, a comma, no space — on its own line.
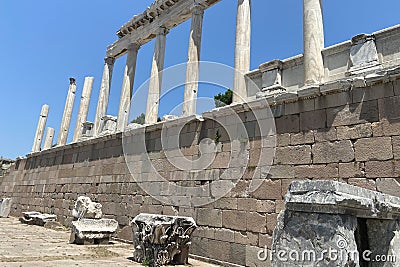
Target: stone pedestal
(48,143)
(153,100)
(363,55)
(83,108)
(40,128)
(87,131)
(162,239)
(104,94)
(313,37)
(271,79)
(127,87)
(329,223)
(242,50)
(66,120)
(92,231)
(5,207)
(193,64)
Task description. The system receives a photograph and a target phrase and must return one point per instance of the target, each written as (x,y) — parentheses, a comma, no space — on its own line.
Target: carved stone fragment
(162,240)
(85,208)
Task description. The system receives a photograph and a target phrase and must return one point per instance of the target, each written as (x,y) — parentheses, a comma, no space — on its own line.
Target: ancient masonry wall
(350,135)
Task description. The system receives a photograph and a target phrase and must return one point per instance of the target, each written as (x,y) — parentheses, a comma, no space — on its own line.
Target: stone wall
(349,134)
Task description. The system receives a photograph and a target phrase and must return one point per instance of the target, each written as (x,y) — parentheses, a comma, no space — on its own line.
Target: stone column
(242,50)
(40,128)
(48,142)
(313,42)
(193,64)
(83,108)
(104,94)
(66,120)
(127,87)
(153,99)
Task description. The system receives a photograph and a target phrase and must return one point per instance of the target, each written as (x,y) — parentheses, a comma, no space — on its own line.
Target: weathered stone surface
(37,218)
(301,239)
(5,207)
(92,231)
(389,186)
(375,148)
(339,198)
(162,239)
(351,169)
(313,120)
(354,132)
(317,171)
(353,114)
(85,208)
(328,152)
(293,155)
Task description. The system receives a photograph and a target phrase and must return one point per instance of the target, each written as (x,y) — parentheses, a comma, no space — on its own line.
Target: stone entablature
(143,28)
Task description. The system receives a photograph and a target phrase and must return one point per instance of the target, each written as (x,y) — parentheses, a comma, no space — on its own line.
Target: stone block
(5,207)
(293,155)
(363,183)
(235,220)
(265,240)
(313,120)
(288,124)
(256,222)
(281,140)
(332,100)
(375,148)
(251,204)
(379,169)
(377,91)
(237,254)
(328,152)
(278,171)
(354,132)
(389,186)
(246,238)
(327,134)
(268,190)
(353,114)
(258,257)
(302,138)
(271,222)
(396,147)
(389,108)
(209,217)
(224,235)
(85,208)
(351,169)
(317,171)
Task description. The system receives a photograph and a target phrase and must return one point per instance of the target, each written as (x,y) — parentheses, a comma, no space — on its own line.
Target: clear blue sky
(43,43)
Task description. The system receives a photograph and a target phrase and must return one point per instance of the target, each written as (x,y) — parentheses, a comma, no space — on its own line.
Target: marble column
(153,98)
(104,94)
(127,87)
(66,120)
(242,50)
(40,128)
(48,141)
(313,42)
(193,64)
(83,108)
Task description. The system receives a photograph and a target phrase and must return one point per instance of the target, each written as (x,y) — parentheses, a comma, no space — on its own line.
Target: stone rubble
(37,218)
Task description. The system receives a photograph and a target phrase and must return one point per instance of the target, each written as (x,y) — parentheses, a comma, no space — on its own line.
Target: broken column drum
(162,240)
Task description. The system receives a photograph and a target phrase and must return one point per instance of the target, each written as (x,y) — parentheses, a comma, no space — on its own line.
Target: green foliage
(223,99)
(140,119)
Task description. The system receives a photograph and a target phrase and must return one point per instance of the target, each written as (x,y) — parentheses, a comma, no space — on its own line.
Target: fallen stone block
(160,240)
(86,208)
(37,218)
(5,207)
(92,231)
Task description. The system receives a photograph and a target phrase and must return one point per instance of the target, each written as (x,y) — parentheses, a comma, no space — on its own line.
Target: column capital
(109,60)
(162,30)
(133,47)
(197,9)
(72,81)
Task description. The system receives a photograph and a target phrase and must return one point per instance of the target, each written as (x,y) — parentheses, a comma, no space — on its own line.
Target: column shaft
(40,128)
(153,99)
(313,42)
(242,50)
(193,64)
(127,87)
(104,94)
(83,108)
(66,120)
(48,142)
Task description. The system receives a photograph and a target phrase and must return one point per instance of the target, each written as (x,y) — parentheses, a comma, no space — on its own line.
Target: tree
(140,119)
(223,99)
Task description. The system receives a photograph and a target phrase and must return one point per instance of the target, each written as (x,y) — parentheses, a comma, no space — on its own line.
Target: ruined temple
(335,118)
